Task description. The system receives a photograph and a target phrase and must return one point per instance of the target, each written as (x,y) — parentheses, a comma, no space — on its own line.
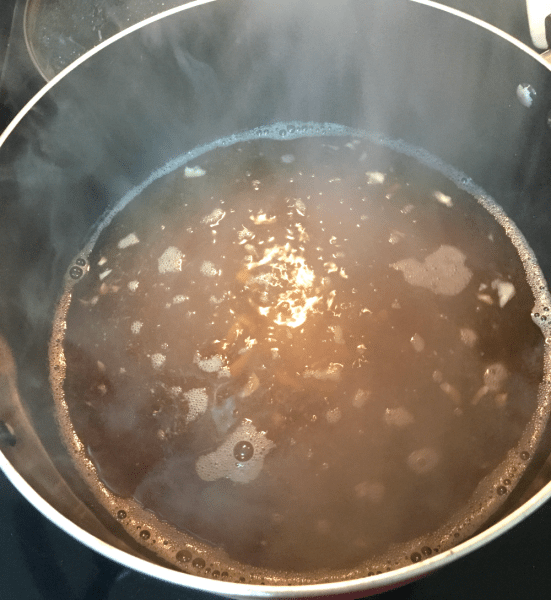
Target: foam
(442,272)
(128,241)
(158,360)
(209,365)
(222,463)
(208,269)
(171,260)
(197,400)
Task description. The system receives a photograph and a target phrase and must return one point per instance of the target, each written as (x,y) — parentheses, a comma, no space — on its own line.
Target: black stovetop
(38,561)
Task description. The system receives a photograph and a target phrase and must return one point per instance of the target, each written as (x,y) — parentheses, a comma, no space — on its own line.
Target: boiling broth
(302,355)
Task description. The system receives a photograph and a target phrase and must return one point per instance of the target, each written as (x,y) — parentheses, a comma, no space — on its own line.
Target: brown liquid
(307,354)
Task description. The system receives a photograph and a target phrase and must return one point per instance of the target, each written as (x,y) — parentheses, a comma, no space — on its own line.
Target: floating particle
(375,177)
(191,172)
(417,342)
(208,365)
(398,417)
(505,291)
(334,415)
(442,272)
(208,269)
(468,337)
(222,462)
(360,398)
(171,260)
(197,400)
(158,360)
(129,240)
(136,327)
(214,217)
(443,199)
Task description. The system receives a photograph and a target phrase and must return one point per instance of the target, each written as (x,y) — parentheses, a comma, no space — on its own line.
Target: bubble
(121,515)
(199,563)
(183,556)
(80,262)
(282,132)
(216,574)
(501,490)
(426,551)
(416,557)
(145,535)
(526,94)
(524,455)
(506,482)
(423,460)
(221,463)
(243,451)
(76,273)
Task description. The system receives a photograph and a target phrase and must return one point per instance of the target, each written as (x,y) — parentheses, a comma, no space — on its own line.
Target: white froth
(288,158)
(136,327)
(198,401)
(133,285)
(222,463)
(208,365)
(179,299)
(334,415)
(158,360)
(171,260)
(468,336)
(191,172)
(398,417)
(129,240)
(360,398)
(208,269)
(442,272)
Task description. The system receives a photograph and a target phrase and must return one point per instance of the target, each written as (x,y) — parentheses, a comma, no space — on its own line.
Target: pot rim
(243,590)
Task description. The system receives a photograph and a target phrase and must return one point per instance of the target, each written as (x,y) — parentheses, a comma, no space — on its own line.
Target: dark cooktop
(40,562)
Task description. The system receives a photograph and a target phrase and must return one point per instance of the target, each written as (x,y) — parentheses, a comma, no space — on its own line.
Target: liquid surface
(310,358)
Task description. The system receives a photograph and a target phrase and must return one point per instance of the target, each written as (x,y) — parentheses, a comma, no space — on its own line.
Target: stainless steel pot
(410,70)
